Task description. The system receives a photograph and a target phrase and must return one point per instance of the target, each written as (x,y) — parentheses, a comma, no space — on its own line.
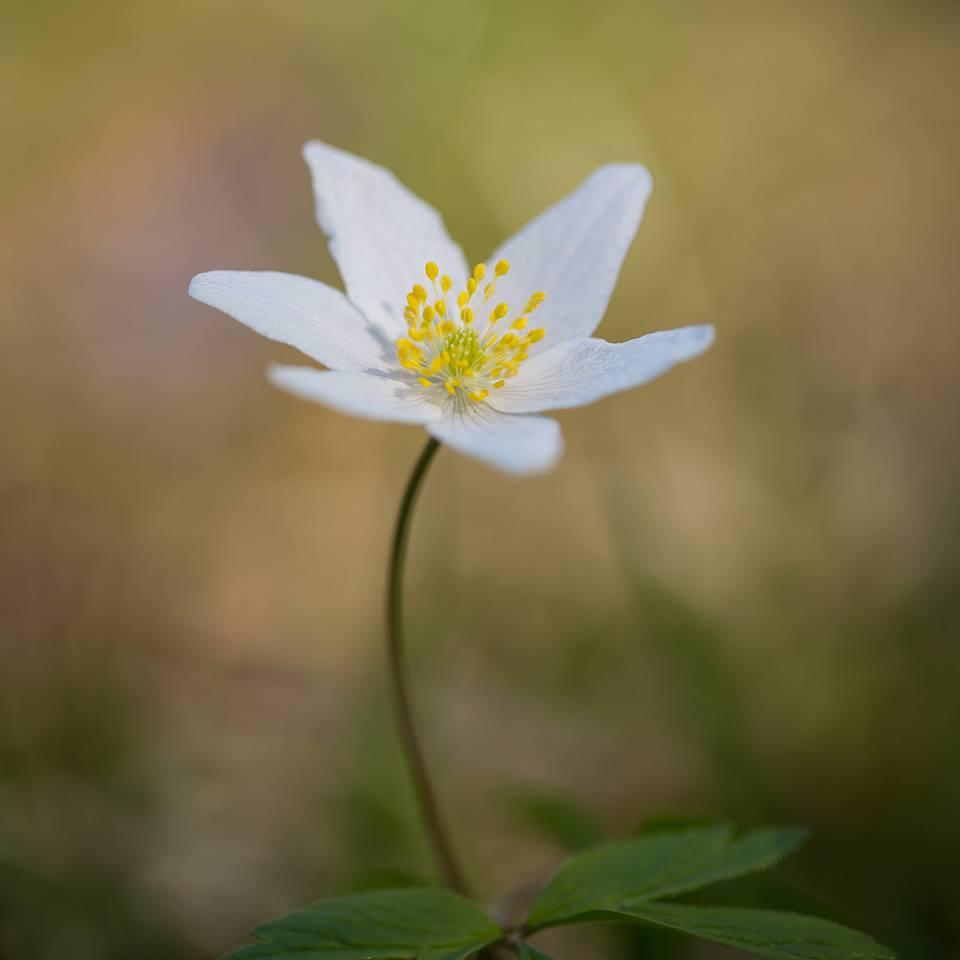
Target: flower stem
(406,725)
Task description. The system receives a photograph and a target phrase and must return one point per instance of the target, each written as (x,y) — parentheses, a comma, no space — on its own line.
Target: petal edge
(573,251)
(380,233)
(298,311)
(518,445)
(366,395)
(580,372)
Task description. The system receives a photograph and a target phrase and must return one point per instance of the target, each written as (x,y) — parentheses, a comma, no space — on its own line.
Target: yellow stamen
(534,302)
(446,349)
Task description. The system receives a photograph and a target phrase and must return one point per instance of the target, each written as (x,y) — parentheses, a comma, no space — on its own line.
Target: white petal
(381,235)
(519,445)
(582,371)
(298,311)
(368,395)
(573,252)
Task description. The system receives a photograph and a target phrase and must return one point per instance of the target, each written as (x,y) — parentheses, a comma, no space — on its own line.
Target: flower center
(465,345)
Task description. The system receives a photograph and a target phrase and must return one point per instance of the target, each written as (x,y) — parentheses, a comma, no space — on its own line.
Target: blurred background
(737,596)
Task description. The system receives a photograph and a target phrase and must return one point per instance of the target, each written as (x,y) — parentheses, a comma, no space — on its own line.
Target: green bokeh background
(737,595)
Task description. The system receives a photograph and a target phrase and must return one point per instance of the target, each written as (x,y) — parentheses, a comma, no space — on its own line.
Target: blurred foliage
(737,594)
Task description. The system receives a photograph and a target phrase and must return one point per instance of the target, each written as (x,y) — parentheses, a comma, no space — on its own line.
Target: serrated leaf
(409,924)
(655,866)
(766,933)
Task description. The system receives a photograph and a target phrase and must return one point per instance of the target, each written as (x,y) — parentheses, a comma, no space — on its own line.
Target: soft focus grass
(736,595)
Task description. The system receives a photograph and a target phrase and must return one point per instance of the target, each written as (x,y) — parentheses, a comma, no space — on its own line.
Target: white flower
(472,356)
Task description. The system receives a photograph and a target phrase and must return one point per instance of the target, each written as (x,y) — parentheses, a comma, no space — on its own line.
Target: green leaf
(655,866)
(411,924)
(526,952)
(767,933)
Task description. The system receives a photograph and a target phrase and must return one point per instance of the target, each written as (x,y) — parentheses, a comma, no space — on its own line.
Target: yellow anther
(534,302)
(444,348)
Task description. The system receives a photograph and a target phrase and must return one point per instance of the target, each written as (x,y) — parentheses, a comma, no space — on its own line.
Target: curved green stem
(410,740)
